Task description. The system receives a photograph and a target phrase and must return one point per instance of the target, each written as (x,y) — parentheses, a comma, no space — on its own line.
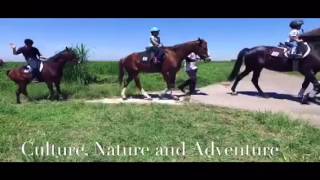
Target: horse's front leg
(173,84)
(316,87)
(305,85)
(57,84)
(170,79)
(167,80)
(50,87)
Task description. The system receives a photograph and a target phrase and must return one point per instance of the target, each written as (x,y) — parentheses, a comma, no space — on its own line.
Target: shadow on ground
(279,96)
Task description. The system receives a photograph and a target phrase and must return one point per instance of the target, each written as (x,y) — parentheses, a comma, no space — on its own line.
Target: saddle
(36,69)
(38,66)
(148,56)
(284,50)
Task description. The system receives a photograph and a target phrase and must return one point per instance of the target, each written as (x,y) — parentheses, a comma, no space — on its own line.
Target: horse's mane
(55,57)
(177,46)
(313,34)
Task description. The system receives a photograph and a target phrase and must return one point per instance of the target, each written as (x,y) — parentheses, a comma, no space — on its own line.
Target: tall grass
(79,73)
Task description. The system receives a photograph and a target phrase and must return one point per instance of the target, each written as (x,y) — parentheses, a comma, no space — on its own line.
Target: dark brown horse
(1,62)
(133,65)
(51,73)
(272,58)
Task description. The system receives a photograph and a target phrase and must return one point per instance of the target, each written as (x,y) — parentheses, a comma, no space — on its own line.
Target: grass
(77,124)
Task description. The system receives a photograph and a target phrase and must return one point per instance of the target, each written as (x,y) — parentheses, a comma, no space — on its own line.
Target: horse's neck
(60,63)
(183,51)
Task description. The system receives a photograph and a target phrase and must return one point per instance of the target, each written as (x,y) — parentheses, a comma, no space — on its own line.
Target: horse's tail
(121,71)
(238,64)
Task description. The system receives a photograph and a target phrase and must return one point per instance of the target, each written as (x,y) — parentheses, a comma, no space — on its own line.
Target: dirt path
(281,88)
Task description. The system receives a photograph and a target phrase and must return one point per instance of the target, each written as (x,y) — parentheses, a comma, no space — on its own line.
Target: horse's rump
(18,74)
(277,52)
(141,61)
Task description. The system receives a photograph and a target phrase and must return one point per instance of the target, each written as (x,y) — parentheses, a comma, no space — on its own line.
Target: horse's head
(201,49)
(70,55)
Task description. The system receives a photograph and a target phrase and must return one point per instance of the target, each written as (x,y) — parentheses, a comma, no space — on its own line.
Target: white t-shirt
(293,33)
(155,40)
(192,65)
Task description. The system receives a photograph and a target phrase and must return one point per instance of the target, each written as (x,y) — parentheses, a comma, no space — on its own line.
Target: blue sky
(111,39)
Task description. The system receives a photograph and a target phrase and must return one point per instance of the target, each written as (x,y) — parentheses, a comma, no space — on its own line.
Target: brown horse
(133,64)
(51,73)
(272,58)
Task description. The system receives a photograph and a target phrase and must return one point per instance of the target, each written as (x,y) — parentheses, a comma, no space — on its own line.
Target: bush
(79,73)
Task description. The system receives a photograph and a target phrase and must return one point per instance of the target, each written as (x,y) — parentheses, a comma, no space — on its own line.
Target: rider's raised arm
(14,49)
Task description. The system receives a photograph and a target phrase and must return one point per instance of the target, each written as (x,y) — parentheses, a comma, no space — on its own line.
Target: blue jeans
(35,65)
(157,52)
(294,45)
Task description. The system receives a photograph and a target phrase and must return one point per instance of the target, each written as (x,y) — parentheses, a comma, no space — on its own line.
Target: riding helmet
(28,41)
(296,23)
(154,29)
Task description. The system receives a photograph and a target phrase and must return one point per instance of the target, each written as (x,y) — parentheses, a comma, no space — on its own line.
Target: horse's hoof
(175,98)
(264,95)
(305,99)
(300,95)
(234,93)
(162,96)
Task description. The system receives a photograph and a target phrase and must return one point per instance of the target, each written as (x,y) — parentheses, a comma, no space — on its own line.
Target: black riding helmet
(28,42)
(296,24)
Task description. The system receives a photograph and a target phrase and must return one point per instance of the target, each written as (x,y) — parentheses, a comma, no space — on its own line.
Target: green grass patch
(77,124)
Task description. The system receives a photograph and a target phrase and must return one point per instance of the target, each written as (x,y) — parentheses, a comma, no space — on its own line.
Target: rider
(31,54)
(191,69)
(156,46)
(294,39)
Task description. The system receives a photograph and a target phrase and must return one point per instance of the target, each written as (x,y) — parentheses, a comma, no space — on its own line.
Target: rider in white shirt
(155,45)
(294,40)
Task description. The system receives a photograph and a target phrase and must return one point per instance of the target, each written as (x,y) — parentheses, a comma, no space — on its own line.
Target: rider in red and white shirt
(191,69)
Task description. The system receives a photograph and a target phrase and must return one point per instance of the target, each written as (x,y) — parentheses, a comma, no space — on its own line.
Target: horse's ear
(200,41)
(67,49)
